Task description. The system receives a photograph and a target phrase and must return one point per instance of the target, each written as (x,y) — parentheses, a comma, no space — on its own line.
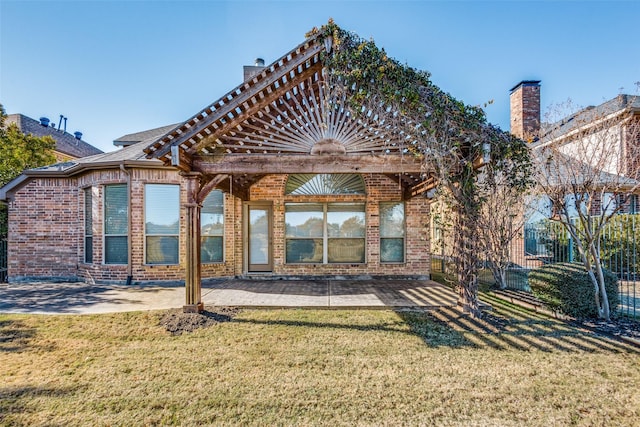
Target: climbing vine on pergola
(459,149)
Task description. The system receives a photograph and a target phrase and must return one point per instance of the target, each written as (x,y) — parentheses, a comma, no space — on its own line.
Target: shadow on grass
(18,401)
(15,336)
(506,328)
(386,327)
(510,327)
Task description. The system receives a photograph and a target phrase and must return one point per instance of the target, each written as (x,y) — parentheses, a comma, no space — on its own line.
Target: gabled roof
(65,142)
(283,109)
(620,104)
(287,118)
(297,66)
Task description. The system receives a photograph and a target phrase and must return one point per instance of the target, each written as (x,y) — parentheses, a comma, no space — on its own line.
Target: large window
(116,224)
(88,226)
(212,228)
(325,232)
(392,232)
(162,223)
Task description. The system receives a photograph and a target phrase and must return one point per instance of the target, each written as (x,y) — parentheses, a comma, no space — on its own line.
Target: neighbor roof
(65,142)
(589,115)
(129,156)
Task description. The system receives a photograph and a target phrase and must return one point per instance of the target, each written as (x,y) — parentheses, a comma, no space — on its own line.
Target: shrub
(566,287)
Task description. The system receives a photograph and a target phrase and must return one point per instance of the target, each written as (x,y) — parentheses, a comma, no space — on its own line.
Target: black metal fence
(548,242)
(3,261)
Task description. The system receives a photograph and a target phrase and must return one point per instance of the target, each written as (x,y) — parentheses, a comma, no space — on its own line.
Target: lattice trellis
(308,118)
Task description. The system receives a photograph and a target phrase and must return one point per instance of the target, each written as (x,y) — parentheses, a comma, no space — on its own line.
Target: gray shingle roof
(588,115)
(133,138)
(65,142)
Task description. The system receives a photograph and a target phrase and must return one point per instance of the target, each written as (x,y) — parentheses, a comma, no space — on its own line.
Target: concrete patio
(82,298)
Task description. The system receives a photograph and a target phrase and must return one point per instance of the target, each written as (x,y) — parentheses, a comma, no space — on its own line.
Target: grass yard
(310,367)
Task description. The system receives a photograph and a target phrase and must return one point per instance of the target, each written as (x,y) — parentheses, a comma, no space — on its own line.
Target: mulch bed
(177,322)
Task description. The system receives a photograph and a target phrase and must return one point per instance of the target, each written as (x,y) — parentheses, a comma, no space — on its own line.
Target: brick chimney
(252,70)
(525,110)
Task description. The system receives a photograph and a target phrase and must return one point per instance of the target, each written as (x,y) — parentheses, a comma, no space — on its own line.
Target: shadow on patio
(379,293)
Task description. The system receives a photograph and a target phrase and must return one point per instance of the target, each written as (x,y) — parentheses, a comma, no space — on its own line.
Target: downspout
(233,222)
(129,223)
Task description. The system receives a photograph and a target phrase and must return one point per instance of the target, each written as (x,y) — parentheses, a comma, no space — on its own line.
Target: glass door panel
(259,244)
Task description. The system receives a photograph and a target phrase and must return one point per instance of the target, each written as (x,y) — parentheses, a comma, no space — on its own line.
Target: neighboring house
(303,189)
(67,147)
(600,143)
(597,147)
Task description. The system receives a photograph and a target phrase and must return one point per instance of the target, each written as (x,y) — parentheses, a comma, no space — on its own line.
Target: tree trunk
(466,247)
(604,310)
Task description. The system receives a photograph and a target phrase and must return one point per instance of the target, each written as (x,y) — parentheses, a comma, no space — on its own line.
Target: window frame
(326,238)
(88,226)
(105,235)
(146,234)
(207,236)
(404,231)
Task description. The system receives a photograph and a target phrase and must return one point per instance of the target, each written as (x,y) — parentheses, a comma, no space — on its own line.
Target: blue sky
(117,67)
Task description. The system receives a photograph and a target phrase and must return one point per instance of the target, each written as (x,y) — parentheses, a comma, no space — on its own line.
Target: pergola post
(193,285)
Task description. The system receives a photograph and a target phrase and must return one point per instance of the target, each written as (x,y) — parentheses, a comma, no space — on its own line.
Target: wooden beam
(208,184)
(253,109)
(244,97)
(423,187)
(180,160)
(304,163)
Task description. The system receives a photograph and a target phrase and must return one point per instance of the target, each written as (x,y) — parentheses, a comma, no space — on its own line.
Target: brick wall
(46,230)
(379,189)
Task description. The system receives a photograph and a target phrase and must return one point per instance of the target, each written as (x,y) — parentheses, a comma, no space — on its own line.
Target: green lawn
(311,367)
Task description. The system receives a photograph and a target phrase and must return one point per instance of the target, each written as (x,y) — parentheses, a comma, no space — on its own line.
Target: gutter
(7,189)
(22,180)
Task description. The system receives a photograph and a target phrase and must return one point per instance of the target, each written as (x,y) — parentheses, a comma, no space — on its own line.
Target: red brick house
(603,138)
(273,179)
(67,147)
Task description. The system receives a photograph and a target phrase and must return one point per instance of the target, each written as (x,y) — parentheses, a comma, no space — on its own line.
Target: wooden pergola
(285,119)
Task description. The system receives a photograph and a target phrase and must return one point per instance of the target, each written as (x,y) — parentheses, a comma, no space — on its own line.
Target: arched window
(324,184)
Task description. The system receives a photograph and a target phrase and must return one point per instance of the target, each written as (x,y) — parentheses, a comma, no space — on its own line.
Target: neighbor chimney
(252,70)
(525,110)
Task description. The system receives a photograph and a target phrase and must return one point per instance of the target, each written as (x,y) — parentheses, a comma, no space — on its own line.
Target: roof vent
(44,121)
(78,135)
(259,62)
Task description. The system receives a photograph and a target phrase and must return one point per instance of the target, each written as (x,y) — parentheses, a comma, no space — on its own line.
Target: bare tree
(501,221)
(587,167)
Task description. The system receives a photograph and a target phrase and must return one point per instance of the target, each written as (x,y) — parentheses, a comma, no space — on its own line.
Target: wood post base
(193,308)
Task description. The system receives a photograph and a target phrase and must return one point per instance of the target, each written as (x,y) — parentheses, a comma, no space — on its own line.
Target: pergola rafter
(289,118)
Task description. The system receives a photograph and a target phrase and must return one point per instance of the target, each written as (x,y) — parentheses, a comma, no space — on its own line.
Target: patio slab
(83,298)
(330,293)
